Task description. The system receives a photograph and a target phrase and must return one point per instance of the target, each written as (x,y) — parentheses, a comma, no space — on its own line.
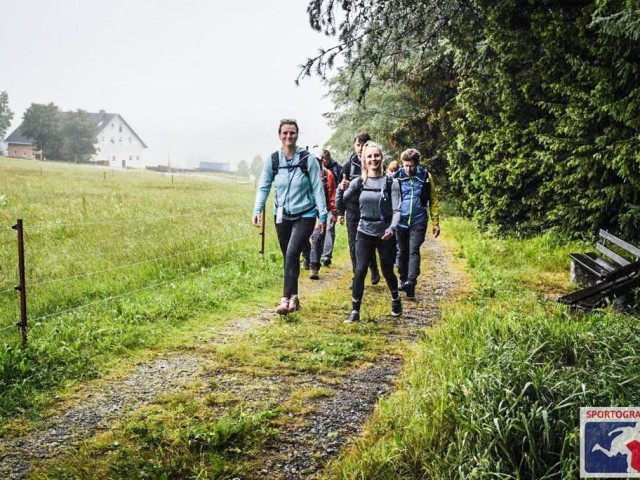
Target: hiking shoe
(396,307)
(294,304)
(314,275)
(410,290)
(353,317)
(326,261)
(402,285)
(375,278)
(283,307)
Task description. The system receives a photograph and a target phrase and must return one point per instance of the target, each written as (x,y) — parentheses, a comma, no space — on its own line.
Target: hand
(320,227)
(344,184)
(387,235)
(436,231)
(341,219)
(255,220)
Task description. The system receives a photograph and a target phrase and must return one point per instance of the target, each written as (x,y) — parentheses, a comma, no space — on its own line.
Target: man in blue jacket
(419,199)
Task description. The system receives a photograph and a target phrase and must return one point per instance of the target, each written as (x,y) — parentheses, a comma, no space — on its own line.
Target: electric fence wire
(12,289)
(8,327)
(40,226)
(120,267)
(38,321)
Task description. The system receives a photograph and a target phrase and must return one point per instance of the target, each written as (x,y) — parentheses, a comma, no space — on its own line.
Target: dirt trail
(302,449)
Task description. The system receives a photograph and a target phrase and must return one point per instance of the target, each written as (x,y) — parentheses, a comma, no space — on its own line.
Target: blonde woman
(378,196)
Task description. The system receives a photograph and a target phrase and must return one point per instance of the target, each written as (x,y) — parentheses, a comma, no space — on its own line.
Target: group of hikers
(385,211)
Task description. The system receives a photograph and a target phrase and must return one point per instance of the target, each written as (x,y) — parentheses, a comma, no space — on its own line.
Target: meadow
(115,261)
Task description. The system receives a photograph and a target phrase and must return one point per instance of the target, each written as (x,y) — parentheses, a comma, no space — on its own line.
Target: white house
(117,144)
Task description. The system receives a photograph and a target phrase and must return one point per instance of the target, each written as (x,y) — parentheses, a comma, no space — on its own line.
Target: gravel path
(301,451)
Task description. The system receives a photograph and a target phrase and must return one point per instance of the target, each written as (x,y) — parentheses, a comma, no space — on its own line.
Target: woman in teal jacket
(299,205)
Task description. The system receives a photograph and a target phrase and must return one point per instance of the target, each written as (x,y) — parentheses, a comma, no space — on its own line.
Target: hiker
(378,197)
(318,238)
(419,199)
(393,167)
(299,205)
(330,238)
(351,170)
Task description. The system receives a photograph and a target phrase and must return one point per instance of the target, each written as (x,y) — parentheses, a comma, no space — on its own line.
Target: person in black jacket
(351,170)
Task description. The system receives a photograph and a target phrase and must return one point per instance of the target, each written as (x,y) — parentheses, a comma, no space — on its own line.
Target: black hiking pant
(365,246)
(409,242)
(293,235)
(352,232)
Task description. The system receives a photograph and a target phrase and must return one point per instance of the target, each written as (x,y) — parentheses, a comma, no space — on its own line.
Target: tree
(42,124)
(79,136)
(243,169)
(256,166)
(6,115)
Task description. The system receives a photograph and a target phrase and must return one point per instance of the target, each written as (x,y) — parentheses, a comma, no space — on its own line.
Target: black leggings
(352,233)
(365,246)
(293,235)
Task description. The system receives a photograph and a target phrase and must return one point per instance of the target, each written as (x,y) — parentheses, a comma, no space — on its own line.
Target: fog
(197,80)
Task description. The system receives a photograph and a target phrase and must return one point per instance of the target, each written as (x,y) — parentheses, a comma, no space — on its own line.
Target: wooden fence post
(22,287)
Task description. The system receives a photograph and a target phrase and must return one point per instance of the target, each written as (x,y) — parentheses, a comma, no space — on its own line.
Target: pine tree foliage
(533,108)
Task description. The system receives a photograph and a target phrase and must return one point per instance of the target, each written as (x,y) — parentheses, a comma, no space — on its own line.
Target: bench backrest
(623,247)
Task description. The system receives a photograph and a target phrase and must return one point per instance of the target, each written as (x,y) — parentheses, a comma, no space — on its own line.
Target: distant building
(214,167)
(117,144)
(19,146)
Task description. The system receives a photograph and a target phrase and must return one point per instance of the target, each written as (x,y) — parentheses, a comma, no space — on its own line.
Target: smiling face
(373,161)
(288,135)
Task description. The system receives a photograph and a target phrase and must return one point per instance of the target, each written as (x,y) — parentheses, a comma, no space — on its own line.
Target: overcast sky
(196,79)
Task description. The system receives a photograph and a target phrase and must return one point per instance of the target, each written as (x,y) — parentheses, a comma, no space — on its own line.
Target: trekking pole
(262,214)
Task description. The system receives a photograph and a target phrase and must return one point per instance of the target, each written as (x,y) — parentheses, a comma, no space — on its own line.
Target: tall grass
(115,260)
(494,391)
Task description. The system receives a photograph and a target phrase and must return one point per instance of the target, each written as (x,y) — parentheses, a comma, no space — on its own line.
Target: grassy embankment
(167,249)
(494,390)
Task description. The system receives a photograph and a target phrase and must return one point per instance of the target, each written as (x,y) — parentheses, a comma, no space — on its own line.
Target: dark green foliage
(41,123)
(79,136)
(60,135)
(532,108)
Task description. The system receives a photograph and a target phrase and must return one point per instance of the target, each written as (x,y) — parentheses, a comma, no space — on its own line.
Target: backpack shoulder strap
(275,162)
(304,162)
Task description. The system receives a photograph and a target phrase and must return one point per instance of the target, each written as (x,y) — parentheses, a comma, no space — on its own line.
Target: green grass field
(115,260)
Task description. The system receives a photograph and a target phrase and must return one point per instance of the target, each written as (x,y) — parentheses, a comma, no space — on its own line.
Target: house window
(113,159)
(137,157)
(120,139)
(120,129)
(24,153)
(129,139)
(130,157)
(113,125)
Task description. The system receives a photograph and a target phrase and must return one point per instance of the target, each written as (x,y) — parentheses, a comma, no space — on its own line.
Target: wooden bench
(609,275)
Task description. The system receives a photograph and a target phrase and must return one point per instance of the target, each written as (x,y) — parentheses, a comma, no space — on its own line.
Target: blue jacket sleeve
(264,186)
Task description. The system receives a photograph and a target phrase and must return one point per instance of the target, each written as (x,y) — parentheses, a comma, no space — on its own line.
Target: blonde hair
(367,145)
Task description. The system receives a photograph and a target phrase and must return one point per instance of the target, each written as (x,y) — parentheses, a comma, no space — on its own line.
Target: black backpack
(302,164)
